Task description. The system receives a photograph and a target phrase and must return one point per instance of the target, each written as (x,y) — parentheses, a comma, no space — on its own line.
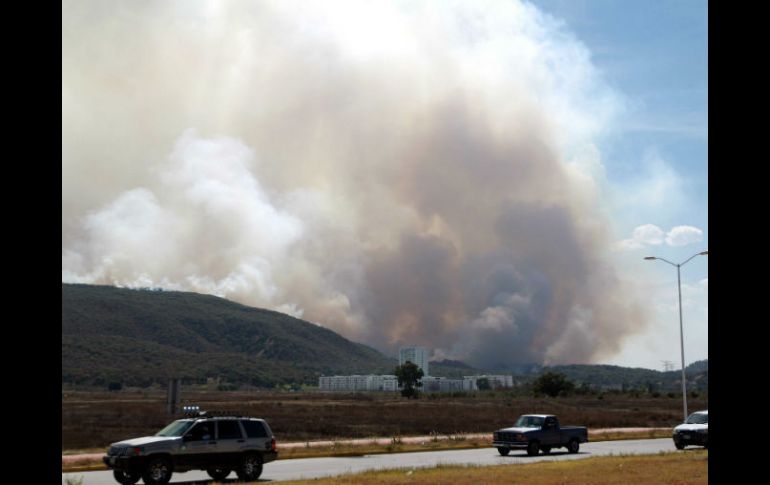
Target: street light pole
(681,328)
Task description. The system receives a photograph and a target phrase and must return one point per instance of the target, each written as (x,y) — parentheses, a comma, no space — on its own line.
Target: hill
(138,337)
(626,378)
(141,337)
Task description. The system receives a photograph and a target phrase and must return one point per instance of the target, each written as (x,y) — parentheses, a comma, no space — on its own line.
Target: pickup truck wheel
(533,448)
(573,446)
(158,471)
(251,468)
(503,451)
(126,478)
(679,446)
(545,449)
(218,473)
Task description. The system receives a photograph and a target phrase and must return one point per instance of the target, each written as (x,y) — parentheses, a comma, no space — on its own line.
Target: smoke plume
(400,172)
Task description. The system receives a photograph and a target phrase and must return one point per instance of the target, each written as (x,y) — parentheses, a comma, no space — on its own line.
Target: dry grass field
(95,419)
(681,468)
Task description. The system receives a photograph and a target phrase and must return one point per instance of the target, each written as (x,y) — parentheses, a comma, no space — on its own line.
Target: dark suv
(217,444)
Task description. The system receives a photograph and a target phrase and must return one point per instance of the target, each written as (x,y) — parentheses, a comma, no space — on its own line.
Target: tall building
(415,355)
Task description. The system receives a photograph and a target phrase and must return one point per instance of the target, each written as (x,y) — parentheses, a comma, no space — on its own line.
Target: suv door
(230,440)
(198,443)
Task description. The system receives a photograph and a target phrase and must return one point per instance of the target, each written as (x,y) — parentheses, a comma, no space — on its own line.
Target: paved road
(283,470)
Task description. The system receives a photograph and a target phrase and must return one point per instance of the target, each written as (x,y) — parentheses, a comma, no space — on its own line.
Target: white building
(470,383)
(442,384)
(415,355)
(358,383)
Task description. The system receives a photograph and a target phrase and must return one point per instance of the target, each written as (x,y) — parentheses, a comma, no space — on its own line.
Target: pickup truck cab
(539,432)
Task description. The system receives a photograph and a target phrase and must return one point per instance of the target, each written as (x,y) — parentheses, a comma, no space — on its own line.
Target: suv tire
(218,473)
(126,478)
(251,467)
(503,450)
(158,471)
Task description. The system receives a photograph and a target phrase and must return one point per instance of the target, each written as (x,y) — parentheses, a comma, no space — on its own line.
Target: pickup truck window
(529,422)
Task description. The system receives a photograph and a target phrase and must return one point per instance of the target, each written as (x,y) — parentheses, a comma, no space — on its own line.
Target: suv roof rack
(195,412)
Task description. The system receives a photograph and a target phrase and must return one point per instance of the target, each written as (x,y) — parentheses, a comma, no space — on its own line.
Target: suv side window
(229,430)
(254,429)
(201,431)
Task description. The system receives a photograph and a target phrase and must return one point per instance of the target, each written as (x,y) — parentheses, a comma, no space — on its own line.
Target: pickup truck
(539,432)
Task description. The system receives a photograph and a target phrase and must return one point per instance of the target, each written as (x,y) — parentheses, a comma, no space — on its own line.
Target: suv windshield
(529,422)
(698,418)
(177,428)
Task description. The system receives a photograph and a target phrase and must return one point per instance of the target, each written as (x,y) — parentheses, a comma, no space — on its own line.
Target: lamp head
(705,253)
(650,258)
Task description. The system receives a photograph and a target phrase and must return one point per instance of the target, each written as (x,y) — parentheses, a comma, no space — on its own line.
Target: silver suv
(217,444)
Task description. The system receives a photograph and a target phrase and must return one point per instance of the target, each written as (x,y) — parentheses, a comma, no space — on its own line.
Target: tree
(553,384)
(483,384)
(409,376)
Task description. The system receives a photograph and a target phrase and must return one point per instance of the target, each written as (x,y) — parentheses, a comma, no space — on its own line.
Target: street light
(681,332)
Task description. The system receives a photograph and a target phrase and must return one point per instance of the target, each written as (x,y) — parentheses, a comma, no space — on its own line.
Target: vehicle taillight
(272,444)
(137,451)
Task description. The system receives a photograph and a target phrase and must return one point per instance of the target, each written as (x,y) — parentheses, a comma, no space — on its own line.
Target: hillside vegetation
(142,337)
(137,337)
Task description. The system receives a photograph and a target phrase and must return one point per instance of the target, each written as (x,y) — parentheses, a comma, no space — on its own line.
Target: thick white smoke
(403,173)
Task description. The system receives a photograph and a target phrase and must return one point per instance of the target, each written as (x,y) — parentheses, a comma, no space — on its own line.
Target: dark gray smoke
(417,173)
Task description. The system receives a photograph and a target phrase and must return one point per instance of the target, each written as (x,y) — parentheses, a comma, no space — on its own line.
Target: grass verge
(675,468)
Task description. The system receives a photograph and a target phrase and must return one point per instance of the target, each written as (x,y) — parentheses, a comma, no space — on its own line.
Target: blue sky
(656,158)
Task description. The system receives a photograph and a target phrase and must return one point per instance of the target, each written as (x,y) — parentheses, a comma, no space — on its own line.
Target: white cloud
(648,234)
(644,235)
(683,235)
(652,235)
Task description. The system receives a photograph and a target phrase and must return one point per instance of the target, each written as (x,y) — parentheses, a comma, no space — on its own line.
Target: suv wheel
(126,478)
(503,451)
(218,473)
(251,467)
(158,471)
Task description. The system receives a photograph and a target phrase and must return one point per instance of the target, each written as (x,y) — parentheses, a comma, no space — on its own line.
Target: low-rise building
(358,383)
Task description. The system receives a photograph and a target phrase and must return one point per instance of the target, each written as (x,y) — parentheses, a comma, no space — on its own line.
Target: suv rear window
(254,429)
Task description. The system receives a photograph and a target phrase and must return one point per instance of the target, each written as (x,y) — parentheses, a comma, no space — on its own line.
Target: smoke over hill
(417,173)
